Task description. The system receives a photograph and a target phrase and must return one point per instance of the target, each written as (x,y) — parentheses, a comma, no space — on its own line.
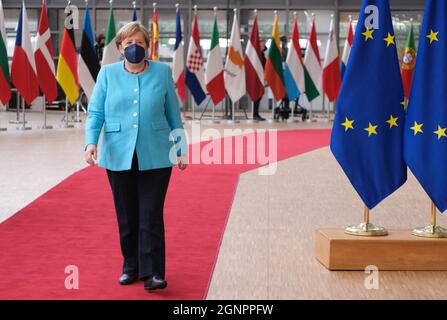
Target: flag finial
(195,9)
(215,11)
(276,12)
(294,13)
(134,4)
(110,2)
(177,6)
(154,5)
(255,11)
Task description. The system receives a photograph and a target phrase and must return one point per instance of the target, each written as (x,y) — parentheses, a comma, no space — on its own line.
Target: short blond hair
(129,30)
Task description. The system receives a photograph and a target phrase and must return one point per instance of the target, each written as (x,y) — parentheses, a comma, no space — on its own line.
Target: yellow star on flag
(371,129)
(404,104)
(417,128)
(389,40)
(393,121)
(368,34)
(433,36)
(441,132)
(348,124)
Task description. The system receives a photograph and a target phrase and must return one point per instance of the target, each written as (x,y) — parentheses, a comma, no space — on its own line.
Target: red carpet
(74,224)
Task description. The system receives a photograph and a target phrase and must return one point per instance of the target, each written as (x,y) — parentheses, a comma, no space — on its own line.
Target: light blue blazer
(138,111)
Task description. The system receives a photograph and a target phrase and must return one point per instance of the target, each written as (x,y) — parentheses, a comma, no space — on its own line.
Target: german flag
(67,66)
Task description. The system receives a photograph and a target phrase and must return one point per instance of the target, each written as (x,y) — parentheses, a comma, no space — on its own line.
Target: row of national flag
(376,136)
(242,73)
(245,74)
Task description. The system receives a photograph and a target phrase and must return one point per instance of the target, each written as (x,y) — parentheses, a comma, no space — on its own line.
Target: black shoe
(126,279)
(258,118)
(155,282)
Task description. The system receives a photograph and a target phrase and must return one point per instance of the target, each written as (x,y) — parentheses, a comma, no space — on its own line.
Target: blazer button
(135,101)
(135,126)
(135,90)
(135,114)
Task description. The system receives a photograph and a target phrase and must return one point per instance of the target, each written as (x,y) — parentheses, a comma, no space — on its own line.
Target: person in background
(99,46)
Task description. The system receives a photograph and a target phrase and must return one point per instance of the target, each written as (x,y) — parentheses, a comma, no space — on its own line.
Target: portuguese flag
(273,73)
(408,63)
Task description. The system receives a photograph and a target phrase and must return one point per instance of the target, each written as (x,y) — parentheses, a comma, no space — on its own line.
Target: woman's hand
(91,154)
(182,163)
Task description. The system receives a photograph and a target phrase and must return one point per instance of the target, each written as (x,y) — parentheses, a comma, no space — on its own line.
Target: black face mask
(134,53)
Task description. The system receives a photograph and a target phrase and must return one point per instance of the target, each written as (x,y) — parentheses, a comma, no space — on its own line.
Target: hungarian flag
(274,75)
(195,75)
(154,38)
(88,60)
(46,71)
(214,76)
(67,66)
(234,66)
(178,65)
(23,68)
(331,67)
(111,53)
(294,70)
(313,65)
(5,81)
(254,70)
(347,49)
(409,60)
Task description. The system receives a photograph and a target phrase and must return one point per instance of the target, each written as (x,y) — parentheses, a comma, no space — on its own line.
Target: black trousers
(139,198)
(256,107)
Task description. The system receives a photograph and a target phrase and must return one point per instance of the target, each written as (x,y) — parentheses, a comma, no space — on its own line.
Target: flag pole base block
(47,127)
(366,230)
(3,129)
(430,232)
(399,251)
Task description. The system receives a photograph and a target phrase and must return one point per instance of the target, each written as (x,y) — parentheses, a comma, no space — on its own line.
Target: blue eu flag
(425,138)
(367,136)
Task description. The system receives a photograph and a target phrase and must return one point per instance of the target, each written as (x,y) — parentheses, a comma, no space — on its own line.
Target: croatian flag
(195,75)
(178,66)
(23,68)
(347,49)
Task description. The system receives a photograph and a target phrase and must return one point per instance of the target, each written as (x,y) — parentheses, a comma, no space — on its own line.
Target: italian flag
(409,60)
(274,75)
(5,87)
(312,72)
(111,53)
(214,75)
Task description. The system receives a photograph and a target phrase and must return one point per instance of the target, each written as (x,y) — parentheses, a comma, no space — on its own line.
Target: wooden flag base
(400,250)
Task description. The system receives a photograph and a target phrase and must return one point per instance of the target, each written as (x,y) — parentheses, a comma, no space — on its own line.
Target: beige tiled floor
(268,247)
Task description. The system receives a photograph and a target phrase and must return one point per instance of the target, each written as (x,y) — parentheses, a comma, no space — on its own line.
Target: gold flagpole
(366,228)
(431,231)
